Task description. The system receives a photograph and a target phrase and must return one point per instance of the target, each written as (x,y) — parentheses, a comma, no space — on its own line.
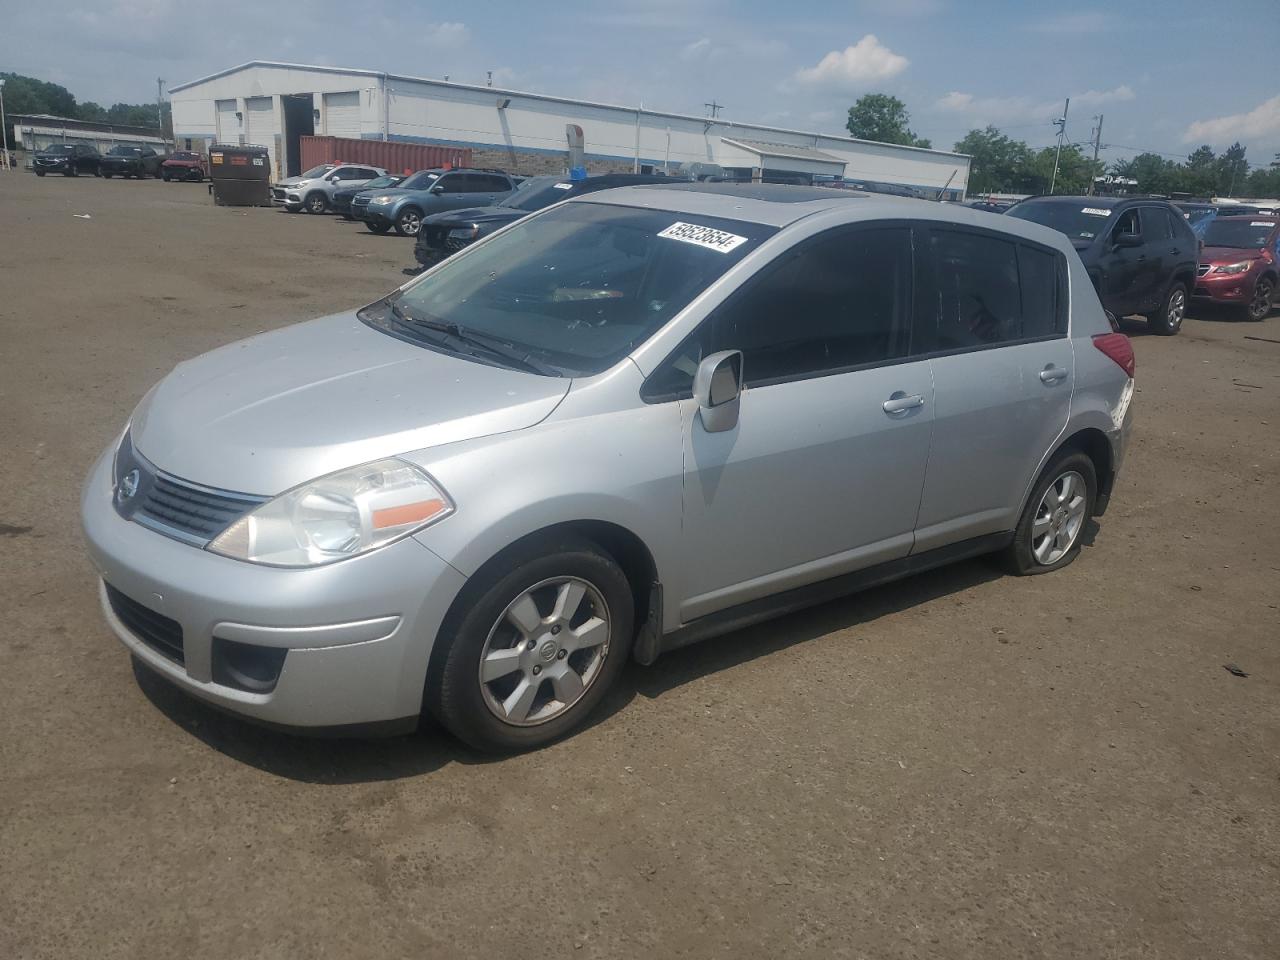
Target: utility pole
(160,106)
(714,108)
(1061,124)
(4,130)
(1097,145)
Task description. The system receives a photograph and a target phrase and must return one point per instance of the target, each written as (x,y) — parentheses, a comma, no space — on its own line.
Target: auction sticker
(700,236)
(1096,212)
(563,186)
(1262,223)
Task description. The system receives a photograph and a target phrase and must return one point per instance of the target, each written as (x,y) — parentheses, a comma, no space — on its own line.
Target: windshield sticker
(1261,223)
(563,186)
(1085,235)
(1096,212)
(702,236)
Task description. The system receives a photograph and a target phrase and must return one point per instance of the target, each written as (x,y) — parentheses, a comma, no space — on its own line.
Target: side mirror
(717,386)
(1126,240)
(333,179)
(438,188)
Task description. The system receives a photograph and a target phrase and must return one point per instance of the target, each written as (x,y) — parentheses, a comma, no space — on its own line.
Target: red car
(1238,264)
(183,165)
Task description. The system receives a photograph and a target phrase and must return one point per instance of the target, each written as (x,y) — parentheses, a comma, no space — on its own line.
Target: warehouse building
(275,104)
(36,131)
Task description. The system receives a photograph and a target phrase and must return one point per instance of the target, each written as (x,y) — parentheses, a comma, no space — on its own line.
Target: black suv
(131,162)
(68,159)
(1140,253)
(448,232)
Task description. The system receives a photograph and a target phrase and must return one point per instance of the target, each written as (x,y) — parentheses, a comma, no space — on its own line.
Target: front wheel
(315,203)
(1047,537)
(1168,319)
(107,175)
(409,223)
(377,227)
(540,637)
(1260,305)
(165,177)
(40,173)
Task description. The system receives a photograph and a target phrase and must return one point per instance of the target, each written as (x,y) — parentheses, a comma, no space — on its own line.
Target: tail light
(1118,348)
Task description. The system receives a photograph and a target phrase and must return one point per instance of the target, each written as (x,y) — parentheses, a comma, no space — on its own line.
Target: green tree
(91,111)
(1233,168)
(29,95)
(1201,173)
(1153,172)
(883,118)
(1075,170)
(1000,164)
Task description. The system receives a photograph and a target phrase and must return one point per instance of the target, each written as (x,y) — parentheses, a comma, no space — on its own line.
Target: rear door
(994,322)
(819,477)
(456,192)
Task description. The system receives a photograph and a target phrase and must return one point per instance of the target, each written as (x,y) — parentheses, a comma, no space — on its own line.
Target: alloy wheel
(545,651)
(410,223)
(1260,306)
(1059,518)
(1177,308)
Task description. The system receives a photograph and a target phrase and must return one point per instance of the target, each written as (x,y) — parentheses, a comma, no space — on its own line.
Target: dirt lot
(964,765)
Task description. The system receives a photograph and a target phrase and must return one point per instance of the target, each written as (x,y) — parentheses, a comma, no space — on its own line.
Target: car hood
(478,215)
(1229,254)
(115,158)
(268,413)
(53,156)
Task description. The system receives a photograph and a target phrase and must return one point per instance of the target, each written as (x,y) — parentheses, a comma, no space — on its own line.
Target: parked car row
(74,159)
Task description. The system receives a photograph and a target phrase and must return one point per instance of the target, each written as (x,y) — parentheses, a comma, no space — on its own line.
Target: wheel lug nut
(562,654)
(536,671)
(555,630)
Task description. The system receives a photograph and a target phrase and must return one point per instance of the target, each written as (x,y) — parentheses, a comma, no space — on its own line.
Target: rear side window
(988,291)
(489,182)
(840,300)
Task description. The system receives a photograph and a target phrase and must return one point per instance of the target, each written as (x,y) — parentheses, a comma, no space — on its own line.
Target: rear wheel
(1168,319)
(409,222)
(1260,305)
(1047,537)
(542,635)
(315,203)
(107,175)
(165,176)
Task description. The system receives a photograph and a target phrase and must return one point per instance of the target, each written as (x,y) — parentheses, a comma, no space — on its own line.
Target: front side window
(1128,224)
(575,288)
(839,301)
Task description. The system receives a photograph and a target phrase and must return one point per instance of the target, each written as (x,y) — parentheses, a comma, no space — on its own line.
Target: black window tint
(841,300)
(1038,275)
(452,183)
(1128,223)
(491,183)
(976,293)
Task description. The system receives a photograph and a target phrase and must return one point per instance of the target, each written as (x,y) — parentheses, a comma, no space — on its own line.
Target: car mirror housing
(717,386)
(438,188)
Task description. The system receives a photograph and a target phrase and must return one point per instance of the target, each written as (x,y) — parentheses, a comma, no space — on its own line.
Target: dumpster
(240,176)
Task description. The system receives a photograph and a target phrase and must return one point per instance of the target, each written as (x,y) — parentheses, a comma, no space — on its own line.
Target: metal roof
(547,98)
(786,150)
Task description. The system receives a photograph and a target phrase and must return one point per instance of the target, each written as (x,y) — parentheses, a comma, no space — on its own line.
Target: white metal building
(36,131)
(272,104)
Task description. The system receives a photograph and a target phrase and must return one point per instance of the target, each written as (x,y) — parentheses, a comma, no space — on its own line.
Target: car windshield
(1240,234)
(183,155)
(126,151)
(421,180)
(381,182)
(60,148)
(575,288)
(1194,215)
(538,193)
(319,171)
(1079,222)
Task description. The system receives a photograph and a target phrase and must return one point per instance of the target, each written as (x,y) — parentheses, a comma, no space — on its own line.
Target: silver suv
(313,190)
(627,422)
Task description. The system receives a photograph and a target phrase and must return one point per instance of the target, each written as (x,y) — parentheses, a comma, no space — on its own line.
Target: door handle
(899,402)
(1052,374)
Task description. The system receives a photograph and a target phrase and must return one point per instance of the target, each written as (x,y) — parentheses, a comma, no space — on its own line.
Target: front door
(823,472)
(1128,274)
(1003,370)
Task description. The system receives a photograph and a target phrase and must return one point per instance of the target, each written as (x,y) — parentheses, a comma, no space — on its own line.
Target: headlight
(342,515)
(1233,268)
(382,199)
(464,233)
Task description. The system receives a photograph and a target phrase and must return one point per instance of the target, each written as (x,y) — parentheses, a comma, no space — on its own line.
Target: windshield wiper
(493,345)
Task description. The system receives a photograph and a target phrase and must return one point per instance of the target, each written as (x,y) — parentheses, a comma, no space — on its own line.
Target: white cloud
(444,34)
(1263,120)
(866,61)
(696,50)
(1092,98)
(1008,109)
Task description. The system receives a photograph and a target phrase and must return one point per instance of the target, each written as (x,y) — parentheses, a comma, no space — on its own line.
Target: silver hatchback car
(628,422)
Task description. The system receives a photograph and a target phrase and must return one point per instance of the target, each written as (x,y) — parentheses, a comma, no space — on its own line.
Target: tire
(39,173)
(409,222)
(377,227)
(108,175)
(165,177)
(1168,319)
(73,171)
(315,202)
(1030,553)
(538,571)
(1260,307)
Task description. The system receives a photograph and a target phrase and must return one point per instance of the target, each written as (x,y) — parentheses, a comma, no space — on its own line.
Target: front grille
(1202,269)
(432,237)
(175,507)
(154,629)
(277,192)
(360,201)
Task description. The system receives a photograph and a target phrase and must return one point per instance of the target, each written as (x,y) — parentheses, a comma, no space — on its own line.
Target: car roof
(780,205)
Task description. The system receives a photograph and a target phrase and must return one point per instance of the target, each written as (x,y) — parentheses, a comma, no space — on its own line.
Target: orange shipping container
(392,156)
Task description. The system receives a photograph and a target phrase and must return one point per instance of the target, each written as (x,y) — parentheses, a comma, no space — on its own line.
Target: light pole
(1061,124)
(160,109)
(4,130)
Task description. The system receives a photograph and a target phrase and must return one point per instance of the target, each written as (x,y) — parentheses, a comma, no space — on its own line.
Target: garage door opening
(299,121)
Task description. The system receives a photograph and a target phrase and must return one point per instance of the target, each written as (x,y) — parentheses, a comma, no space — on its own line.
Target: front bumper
(50,166)
(374,213)
(358,633)
(1226,288)
(284,197)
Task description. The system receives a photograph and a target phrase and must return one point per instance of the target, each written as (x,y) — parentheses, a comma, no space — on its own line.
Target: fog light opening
(247,666)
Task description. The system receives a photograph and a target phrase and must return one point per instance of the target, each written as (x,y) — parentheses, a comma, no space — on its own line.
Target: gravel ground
(963,765)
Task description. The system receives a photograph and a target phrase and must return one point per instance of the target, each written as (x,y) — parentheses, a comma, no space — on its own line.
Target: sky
(1167,75)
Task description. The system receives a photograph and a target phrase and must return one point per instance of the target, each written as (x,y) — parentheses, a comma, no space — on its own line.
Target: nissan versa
(624,423)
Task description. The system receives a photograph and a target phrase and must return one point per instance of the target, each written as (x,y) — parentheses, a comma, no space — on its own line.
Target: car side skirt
(767,608)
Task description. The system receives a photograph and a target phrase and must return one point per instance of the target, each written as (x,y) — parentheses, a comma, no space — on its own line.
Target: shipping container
(389,155)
